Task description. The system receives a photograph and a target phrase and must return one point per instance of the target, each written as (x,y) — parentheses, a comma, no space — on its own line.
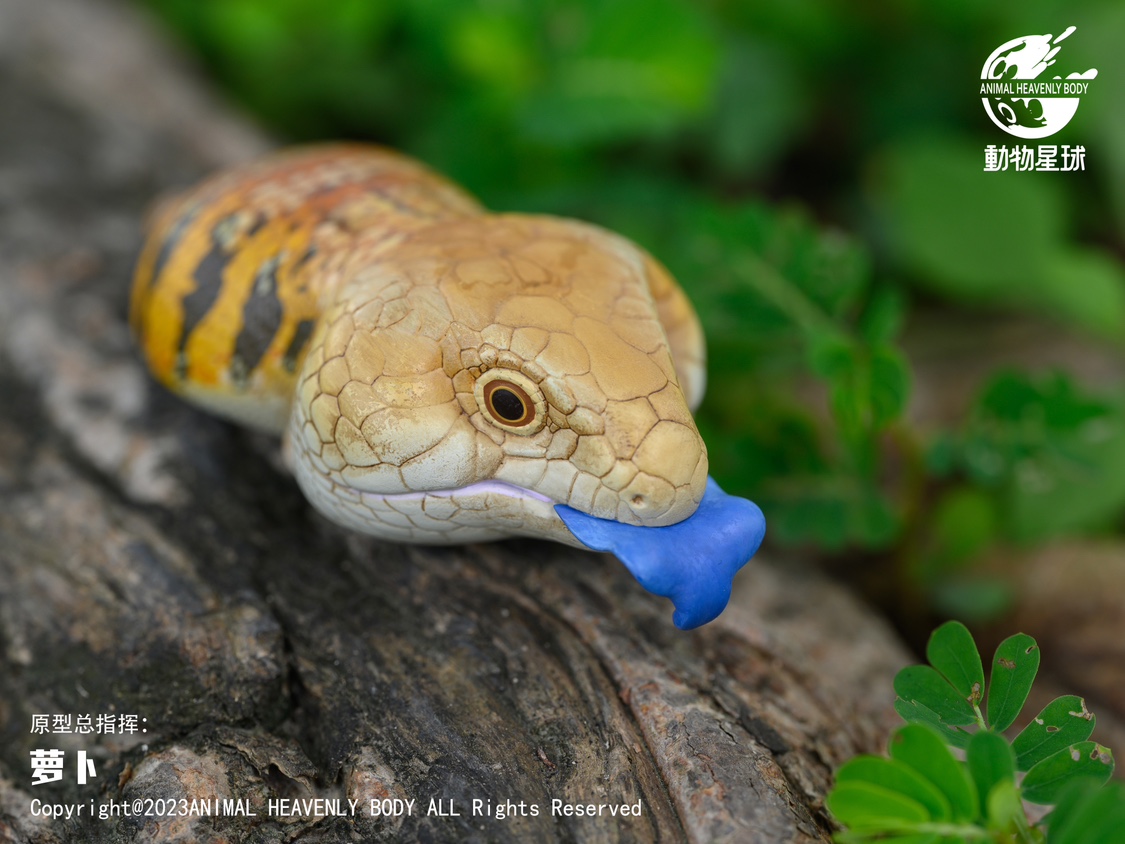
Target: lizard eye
(511,401)
(508,403)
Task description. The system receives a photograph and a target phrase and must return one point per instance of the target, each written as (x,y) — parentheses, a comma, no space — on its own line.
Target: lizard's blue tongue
(692,562)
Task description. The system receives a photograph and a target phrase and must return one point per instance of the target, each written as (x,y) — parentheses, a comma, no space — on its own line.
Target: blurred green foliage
(679,123)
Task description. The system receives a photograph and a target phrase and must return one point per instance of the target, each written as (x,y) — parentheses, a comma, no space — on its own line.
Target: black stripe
(261,319)
(310,253)
(255,227)
(171,241)
(208,277)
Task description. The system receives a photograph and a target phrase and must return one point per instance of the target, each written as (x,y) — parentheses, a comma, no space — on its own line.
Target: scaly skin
(358,302)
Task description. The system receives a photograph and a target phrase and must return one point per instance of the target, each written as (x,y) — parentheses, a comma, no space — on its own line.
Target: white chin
(482,511)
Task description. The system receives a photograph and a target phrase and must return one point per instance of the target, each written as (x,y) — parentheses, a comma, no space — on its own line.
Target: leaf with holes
(1047,780)
(1013,671)
(1063,722)
(953,653)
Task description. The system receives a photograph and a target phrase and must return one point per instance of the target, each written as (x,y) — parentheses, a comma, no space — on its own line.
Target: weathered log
(159,563)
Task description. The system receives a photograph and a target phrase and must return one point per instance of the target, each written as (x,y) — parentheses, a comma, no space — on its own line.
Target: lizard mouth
(478,488)
(692,562)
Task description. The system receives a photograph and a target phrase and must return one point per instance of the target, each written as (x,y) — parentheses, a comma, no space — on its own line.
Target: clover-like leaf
(913,712)
(1014,667)
(952,651)
(863,806)
(1046,780)
(898,777)
(991,762)
(1063,722)
(923,684)
(922,749)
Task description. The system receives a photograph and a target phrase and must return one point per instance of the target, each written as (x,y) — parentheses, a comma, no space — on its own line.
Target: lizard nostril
(638,500)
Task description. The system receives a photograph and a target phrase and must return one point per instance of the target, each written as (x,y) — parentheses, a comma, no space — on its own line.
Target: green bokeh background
(812,171)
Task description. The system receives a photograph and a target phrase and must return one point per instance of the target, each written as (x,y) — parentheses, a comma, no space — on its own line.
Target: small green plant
(926,793)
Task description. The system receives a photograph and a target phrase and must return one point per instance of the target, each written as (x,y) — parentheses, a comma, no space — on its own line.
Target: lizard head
(500,357)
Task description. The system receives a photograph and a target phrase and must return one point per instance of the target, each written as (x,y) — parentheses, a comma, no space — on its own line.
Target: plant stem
(980,717)
(786,296)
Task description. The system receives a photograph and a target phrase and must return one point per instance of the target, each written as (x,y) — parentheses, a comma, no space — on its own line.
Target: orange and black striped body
(234,275)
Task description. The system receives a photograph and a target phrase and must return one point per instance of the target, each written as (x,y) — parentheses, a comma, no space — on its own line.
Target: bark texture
(156,562)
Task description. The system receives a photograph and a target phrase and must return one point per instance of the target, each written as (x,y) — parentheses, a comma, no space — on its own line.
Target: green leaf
(1087,287)
(991,762)
(923,684)
(492,49)
(1087,814)
(1073,482)
(923,750)
(1053,455)
(1063,722)
(898,777)
(832,354)
(993,246)
(1005,809)
(894,838)
(883,317)
(863,806)
(1014,667)
(972,595)
(962,524)
(890,385)
(1046,780)
(952,651)
(913,712)
(745,140)
(635,67)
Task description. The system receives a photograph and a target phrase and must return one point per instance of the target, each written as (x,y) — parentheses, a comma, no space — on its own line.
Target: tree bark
(157,563)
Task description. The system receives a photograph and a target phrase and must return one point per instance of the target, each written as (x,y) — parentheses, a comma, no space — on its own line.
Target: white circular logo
(1015,97)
